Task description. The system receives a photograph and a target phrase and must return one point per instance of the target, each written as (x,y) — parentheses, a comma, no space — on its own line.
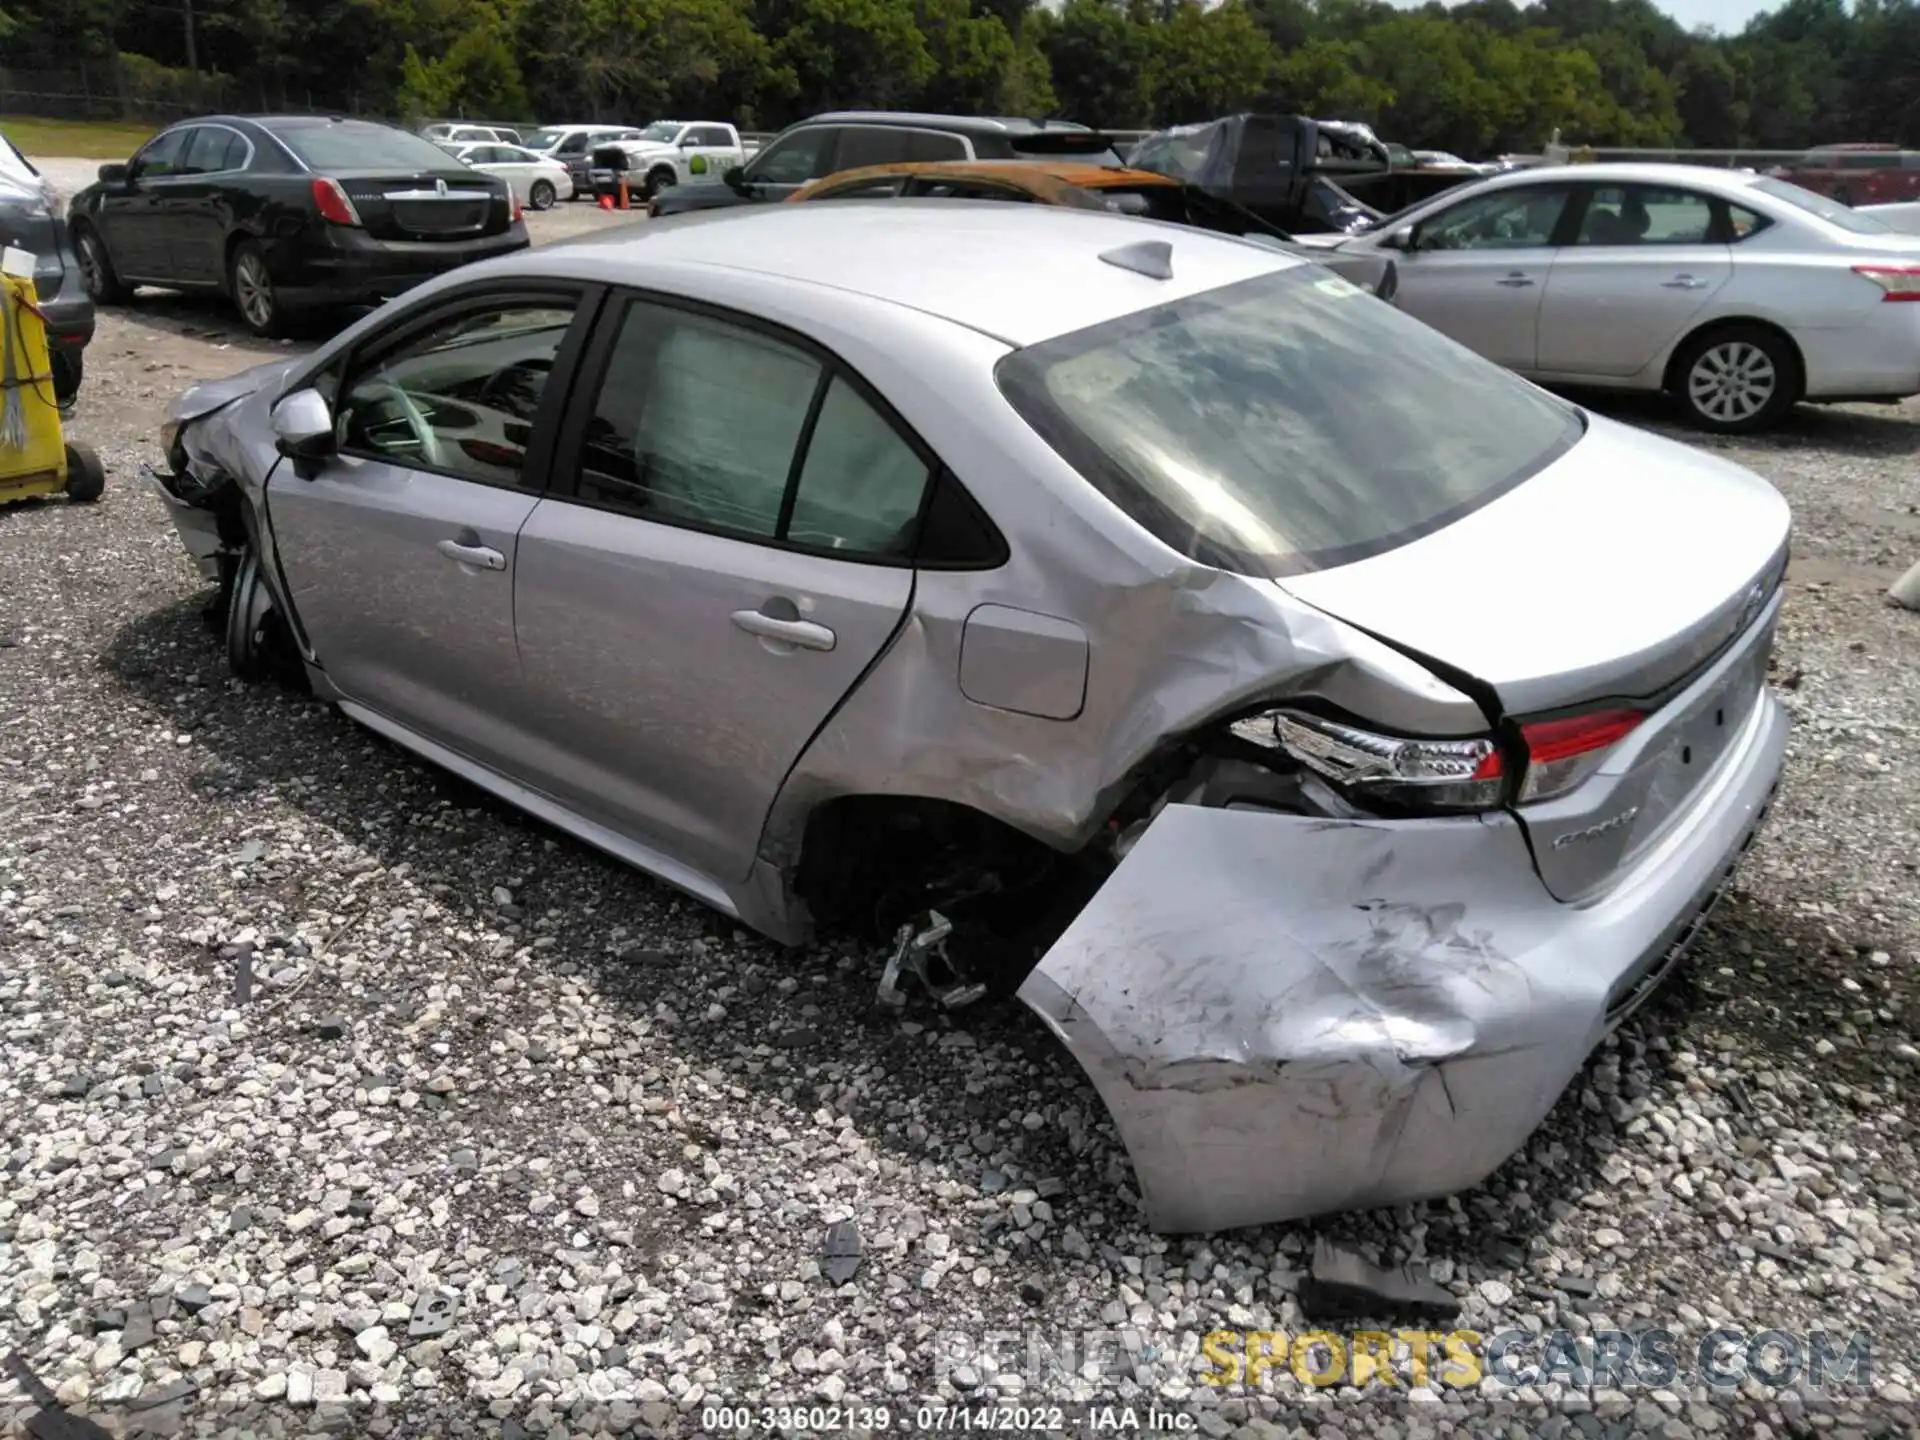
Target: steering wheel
(423,433)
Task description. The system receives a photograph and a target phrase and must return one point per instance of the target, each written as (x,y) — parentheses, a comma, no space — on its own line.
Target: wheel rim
(665,180)
(542,195)
(1732,381)
(92,265)
(253,291)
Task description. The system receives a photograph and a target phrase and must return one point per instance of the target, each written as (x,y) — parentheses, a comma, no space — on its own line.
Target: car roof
(1706,177)
(1021,273)
(960,124)
(1029,175)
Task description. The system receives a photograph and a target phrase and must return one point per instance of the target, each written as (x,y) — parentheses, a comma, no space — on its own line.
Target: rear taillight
(1562,753)
(332,202)
(1400,771)
(1900,282)
(514,211)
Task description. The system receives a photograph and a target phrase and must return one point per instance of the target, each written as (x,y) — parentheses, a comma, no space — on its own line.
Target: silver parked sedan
(1199,636)
(1737,293)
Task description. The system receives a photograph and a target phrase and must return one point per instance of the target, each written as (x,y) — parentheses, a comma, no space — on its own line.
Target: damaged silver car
(1329,735)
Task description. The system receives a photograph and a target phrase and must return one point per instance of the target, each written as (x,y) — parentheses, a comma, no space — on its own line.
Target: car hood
(1621,567)
(211,395)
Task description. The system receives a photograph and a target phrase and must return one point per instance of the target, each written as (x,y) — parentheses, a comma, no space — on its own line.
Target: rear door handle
(1683,282)
(480,556)
(1516,279)
(804,633)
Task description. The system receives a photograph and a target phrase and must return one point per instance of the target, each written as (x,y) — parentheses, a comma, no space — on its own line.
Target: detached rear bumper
(1288,1016)
(355,269)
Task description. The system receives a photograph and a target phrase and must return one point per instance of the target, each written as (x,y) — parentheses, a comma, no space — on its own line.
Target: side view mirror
(1401,239)
(736,176)
(115,174)
(303,429)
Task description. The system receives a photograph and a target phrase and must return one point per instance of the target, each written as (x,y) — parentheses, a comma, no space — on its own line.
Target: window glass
(924,145)
(574,144)
(712,136)
(796,159)
(197,152)
(869,145)
(234,151)
(461,398)
(1285,423)
(697,423)
(163,155)
(327,145)
(861,484)
(1743,222)
(884,188)
(1831,211)
(1505,220)
(1646,215)
(1179,153)
(970,190)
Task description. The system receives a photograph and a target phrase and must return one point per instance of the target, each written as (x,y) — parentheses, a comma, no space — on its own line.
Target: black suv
(849,139)
(285,214)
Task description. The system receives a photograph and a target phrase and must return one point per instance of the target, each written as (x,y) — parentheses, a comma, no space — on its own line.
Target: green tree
(1202,63)
(971,56)
(1097,53)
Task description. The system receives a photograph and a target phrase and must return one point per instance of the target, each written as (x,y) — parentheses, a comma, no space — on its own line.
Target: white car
(451,135)
(1740,295)
(1903,215)
(15,166)
(668,153)
(537,180)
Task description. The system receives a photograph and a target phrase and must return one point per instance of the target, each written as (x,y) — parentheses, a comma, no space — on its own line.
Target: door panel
(401,625)
(1478,269)
(676,674)
(1645,261)
(130,215)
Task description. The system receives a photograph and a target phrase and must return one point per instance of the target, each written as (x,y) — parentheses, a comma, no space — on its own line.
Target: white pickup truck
(665,154)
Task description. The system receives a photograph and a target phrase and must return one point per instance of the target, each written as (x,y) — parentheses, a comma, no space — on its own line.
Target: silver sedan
(1196,634)
(1739,294)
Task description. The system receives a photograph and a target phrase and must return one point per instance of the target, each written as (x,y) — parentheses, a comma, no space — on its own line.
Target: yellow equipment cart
(34,457)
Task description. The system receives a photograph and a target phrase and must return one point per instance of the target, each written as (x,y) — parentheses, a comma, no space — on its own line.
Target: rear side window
(861,484)
(1645,215)
(356,145)
(1287,423)
(924,145)
(862,145)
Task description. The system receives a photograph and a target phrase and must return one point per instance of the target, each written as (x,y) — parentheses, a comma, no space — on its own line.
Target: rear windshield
(1831,211)
(1287,423)
(356,145)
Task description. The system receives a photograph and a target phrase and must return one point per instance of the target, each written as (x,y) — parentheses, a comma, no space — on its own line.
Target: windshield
(1287,423)
(1831,211)
(358,145)
(543,139)
(664,131)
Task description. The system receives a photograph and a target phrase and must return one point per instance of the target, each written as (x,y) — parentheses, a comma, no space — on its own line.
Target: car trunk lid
(449,203)
(1632,575)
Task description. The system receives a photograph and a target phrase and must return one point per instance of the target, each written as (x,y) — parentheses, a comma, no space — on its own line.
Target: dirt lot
(483,1059)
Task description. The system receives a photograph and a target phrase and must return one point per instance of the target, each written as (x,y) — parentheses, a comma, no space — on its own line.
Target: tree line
(1483,77)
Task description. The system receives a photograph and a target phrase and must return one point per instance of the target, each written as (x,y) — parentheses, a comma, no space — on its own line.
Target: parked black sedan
(287,215)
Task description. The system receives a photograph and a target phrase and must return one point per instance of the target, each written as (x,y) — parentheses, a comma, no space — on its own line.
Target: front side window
(797,158)
(1645,215)
(1515,219)
(720,427)
(163,156)
(461,398)
(1286,423)
(713,137)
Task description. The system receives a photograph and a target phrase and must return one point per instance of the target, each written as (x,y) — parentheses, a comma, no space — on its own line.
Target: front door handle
(481,557)
(1516,279)
(1683,282)
(804,633)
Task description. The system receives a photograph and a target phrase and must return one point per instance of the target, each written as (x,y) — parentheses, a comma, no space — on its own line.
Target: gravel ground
(482,1062)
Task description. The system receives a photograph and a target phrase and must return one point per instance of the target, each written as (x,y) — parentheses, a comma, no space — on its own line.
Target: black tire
(1736,379)
(541,195)
(253,629)
(251,286)
(103,282)
(660,178)
(86,476)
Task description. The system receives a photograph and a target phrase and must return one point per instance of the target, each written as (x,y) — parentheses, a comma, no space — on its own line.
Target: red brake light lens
(515,212)
(1562,753)
(1900,282)
(332,201)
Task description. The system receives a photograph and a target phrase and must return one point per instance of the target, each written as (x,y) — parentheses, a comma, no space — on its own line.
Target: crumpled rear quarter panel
(1288,1015)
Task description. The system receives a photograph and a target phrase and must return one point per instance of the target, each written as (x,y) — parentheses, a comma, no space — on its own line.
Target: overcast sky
(1729,17)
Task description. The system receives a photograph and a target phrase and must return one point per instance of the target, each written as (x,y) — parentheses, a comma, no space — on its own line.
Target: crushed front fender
(1288,1016)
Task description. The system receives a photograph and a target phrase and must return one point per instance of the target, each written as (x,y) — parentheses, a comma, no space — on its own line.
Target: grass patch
(84,139)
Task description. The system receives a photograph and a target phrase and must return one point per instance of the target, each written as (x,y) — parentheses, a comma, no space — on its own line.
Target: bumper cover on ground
(1288,1016)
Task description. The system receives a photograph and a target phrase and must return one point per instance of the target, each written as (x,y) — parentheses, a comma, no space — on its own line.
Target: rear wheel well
(1712,327)
(871,863)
